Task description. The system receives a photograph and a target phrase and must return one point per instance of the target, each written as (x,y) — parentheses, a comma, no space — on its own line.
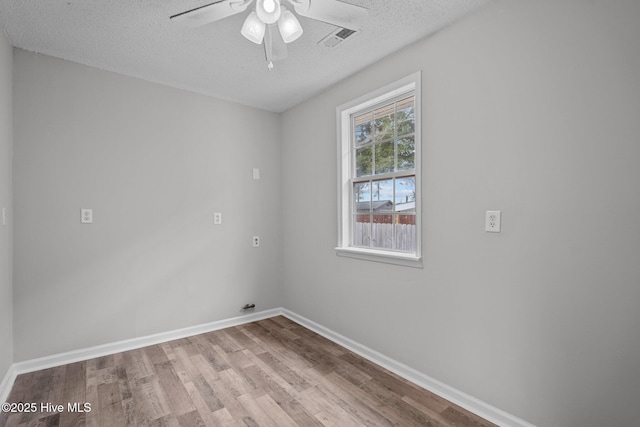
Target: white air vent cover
(336,37)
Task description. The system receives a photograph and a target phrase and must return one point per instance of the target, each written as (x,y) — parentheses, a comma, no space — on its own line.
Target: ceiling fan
(260,25)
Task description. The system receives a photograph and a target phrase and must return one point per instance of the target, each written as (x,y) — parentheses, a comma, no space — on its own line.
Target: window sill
(381,256)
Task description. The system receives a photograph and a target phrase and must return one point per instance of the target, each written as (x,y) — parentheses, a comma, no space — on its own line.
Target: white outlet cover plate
(492,222)
(256,173)
(86,216)
(217,218)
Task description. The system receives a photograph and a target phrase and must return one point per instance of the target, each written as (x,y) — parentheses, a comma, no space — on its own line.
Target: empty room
(320,213)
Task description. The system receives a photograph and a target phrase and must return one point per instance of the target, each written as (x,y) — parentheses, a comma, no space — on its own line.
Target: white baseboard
(464,400)
(470,403)
(7,383)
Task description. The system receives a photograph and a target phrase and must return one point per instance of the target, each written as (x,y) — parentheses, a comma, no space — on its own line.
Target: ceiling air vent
(336,37)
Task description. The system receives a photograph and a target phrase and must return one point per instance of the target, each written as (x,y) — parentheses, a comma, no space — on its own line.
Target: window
(379,175)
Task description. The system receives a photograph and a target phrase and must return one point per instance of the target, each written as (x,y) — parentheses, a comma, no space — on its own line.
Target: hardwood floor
(272,372)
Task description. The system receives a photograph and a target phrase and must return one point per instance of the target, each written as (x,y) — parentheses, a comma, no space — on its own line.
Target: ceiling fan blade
(332,12)
(211,12)
(275,49)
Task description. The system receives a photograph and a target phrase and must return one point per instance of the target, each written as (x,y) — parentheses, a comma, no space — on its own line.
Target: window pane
(364,161)
(382,196)
(383,122)
(384,157)
(362,129)
(406,154)
(362,197)
(406,194)
(405,110)
(382,231)
(405,117)
(361,230)
(405,127)
(405,235)
(406,219)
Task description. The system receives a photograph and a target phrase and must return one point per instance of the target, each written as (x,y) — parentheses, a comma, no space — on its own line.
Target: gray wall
(153,163)
(6,191)
(531,108)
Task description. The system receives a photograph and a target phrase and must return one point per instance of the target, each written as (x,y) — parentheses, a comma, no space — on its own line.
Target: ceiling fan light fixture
(268,11)
(253,28)
(289,26)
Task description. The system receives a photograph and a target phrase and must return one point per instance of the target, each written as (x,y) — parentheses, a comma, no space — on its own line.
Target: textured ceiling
(136,38)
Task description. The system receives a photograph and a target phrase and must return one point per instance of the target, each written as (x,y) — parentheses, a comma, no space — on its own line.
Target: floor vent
(336,37)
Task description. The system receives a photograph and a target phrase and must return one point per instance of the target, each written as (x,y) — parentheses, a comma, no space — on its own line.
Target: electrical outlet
(217,218)
(492,222)
(256,241)
(256,173)
(86,216)
(4,216)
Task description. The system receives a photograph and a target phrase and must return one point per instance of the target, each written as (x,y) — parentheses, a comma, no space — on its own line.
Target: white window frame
(408,85)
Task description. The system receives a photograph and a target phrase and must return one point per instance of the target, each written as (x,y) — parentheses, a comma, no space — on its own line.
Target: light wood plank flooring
(272,372)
